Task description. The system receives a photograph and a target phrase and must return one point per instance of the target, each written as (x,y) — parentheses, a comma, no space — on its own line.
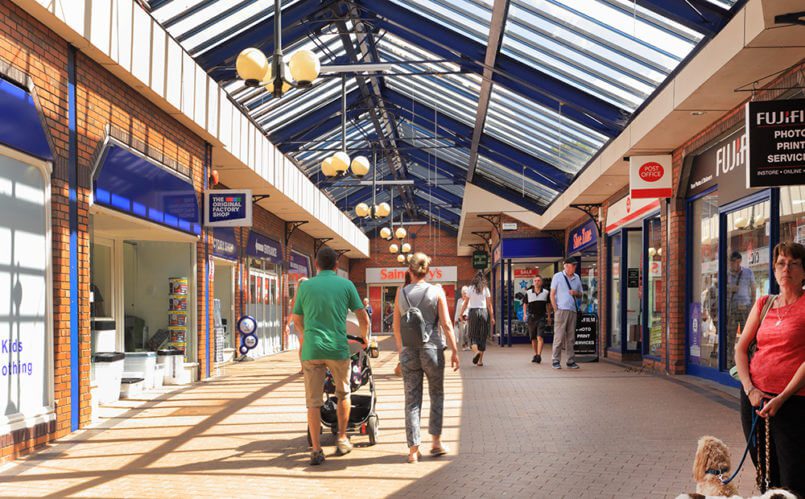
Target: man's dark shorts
(536,327)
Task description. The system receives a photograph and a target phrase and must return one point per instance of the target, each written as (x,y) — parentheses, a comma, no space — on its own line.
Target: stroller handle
(357,338)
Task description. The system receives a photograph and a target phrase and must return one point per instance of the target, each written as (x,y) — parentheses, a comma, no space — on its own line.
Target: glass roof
(555,59)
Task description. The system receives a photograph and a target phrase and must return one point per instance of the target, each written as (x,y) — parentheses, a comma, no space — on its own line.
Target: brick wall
(101,99)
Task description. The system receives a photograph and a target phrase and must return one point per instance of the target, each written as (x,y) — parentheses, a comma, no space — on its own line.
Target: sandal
(414,458)
(476,358)
(438,451)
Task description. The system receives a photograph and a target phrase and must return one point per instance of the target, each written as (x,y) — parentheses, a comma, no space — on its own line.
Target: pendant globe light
(393,248)
(385,233)
(340,160)
(255,69)
(406,248)
(401,258)
(400,233)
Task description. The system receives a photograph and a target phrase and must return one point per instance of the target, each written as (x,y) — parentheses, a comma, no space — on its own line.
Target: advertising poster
(587,335)
(695,329)
(776,140)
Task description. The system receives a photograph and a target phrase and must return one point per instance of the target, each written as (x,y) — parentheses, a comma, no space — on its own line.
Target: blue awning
(224,243)
(532,247)
(20,124)
(128,182)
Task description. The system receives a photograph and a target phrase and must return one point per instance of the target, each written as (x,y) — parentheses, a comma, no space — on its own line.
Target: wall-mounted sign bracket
(290,228)
(494,220)
(592,210)
(256,198)
(318,243)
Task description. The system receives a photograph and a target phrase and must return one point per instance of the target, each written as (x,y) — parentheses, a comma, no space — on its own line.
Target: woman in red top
(777,370)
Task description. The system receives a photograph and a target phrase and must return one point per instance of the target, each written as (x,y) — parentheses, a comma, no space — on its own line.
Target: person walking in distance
(460,325)
(565,290)
(422,332)
(320,318)
(480,316)
(290,327)
(538,310)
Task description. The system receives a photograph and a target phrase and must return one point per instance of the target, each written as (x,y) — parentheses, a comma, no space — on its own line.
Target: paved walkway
(515,429)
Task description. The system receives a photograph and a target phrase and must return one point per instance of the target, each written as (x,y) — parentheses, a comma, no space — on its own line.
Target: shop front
(634,279)
(144,229)
(263,298)
(224,271)
(515,263)
(26,275)
(582,244)
(383,283)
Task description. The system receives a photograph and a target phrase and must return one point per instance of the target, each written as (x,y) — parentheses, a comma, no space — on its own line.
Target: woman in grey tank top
(426,360)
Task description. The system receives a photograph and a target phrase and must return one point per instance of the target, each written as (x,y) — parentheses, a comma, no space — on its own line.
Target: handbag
(750,351)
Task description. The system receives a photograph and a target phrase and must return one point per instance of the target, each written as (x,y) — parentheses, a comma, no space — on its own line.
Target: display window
(615,253)
(792,214)
(654,295)
(26,317)
(703,337)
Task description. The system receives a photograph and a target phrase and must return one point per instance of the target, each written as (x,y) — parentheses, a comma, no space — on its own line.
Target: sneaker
(556,365)
(343,447)
(572,365)
(476,358)
(539,359)
(534,359)
(316,457)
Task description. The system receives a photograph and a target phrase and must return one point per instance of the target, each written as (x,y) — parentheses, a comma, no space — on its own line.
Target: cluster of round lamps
(404,251)
(255,69)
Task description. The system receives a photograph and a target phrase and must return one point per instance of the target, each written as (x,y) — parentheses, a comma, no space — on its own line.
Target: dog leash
(749,441)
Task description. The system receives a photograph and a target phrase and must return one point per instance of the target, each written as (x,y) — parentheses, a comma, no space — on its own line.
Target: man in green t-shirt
(320,317)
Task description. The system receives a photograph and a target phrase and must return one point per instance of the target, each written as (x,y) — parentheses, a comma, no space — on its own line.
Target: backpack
(413,330)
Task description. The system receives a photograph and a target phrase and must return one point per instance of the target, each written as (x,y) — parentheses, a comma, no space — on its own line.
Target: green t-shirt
(323,302)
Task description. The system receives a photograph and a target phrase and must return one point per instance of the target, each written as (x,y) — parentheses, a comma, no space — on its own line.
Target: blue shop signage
(299,264)
(224,244)
(583,237)
(228,208)
(531,247)
(260,246)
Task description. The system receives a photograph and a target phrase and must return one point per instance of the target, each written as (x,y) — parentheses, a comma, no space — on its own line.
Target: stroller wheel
(373,428)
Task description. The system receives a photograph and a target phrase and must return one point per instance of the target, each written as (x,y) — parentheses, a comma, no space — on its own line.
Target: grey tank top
(429,294)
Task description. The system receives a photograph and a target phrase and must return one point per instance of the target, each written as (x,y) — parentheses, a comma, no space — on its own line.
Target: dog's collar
(716,472)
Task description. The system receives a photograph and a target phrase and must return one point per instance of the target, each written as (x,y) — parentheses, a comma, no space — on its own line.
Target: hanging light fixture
(385,233)
(400,233)
(401,258)
(406,248)
(362,210)
(255,69)
(340,160)
(409,257)
(393,248)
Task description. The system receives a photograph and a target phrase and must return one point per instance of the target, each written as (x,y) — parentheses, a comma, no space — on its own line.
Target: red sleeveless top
(780,349)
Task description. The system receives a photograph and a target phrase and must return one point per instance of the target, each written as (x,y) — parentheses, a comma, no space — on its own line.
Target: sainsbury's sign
(380,275)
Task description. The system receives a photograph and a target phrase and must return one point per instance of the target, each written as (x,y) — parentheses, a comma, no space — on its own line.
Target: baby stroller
(362,416)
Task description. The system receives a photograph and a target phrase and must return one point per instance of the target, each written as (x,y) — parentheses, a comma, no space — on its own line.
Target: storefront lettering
(791,117)
(392,275)
(17,368)
(223,246)
(585,237)
(223,206)
(8,346)
(266,249)
(731,155)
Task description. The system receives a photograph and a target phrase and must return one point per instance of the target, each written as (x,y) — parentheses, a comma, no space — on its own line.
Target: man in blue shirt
(565,290)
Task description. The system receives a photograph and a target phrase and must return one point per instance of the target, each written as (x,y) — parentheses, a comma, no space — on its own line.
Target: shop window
(634,325)
(615,251)
(589,284)
(101,301)
(748,231)
(792,214)
(655,285)
(25,286)
(703,329)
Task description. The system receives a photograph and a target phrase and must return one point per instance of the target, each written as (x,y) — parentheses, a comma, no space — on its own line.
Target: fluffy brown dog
(712,459)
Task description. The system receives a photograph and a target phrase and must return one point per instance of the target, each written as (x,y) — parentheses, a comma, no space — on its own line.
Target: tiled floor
(515,429)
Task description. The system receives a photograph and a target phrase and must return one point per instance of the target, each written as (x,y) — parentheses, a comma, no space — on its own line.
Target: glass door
(703,263)
(634,287)
(615,251)
(389,295)
(747,260)
(654,289)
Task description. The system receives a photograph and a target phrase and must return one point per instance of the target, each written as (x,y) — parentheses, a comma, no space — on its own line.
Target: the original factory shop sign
(228,208)
(776,131)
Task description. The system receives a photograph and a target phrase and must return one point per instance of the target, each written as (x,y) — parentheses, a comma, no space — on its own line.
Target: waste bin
(108,373)
(141,365)
(172,362)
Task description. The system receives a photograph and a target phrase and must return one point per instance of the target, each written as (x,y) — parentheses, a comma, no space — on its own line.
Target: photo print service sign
(228,208)
(776,131)
(650,177)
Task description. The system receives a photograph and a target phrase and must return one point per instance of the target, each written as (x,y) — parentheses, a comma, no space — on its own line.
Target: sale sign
(650,176)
